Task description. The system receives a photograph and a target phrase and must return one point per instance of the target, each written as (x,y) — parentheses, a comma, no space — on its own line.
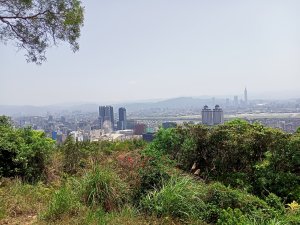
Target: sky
(136,50)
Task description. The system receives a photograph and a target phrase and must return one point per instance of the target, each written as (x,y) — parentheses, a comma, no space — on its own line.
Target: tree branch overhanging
(35,25)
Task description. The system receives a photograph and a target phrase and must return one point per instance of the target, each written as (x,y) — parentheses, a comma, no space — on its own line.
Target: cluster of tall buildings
(241,102)
(212,117)
(107,121)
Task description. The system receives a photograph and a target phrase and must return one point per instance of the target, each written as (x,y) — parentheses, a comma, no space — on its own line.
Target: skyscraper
(227,102)
(122,123)
(246,96)
(207,116)
(218,115)
(236,101)
(106,113)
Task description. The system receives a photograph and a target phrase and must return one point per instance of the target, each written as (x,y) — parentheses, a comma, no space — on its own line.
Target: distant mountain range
(173,103)
(181,102)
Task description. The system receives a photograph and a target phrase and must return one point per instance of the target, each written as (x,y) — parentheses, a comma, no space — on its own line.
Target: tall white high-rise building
(207,116)
(218,115)
(236,101)
(246,96)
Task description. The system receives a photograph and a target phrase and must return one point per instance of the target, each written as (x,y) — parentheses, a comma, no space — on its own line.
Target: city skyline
(137,50)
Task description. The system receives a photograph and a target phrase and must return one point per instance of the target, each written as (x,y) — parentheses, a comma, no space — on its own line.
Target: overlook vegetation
(236,173)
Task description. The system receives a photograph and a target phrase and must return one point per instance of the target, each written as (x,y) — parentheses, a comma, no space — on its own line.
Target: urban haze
(131,51)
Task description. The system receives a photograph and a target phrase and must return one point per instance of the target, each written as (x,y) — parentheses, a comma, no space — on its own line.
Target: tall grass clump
(102,187)
(179,197)
(64,201)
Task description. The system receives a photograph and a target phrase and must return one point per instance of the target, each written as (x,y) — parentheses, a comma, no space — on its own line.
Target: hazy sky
(152,49)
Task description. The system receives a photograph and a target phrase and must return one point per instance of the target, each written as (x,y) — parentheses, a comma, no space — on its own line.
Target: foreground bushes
(186,198)
(252,157)
(117,183)
(23,152)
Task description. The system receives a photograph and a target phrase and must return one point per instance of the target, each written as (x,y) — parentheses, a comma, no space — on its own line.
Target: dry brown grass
(21,203)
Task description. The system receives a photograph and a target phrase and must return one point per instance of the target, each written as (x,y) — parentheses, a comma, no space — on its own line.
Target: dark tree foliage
(35,25)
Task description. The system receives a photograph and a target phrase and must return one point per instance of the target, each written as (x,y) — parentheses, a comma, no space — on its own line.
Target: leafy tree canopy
(35,25)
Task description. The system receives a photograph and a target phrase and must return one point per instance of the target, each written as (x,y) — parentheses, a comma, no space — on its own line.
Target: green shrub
(236,217)
(23,152)
(232,217)
(275,202)
(220,197)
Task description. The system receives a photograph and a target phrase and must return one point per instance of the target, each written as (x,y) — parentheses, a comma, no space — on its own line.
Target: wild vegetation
(236,173)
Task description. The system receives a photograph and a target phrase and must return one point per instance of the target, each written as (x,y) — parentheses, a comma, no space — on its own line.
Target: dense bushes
(186,198)
(248,156)
(23,152)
